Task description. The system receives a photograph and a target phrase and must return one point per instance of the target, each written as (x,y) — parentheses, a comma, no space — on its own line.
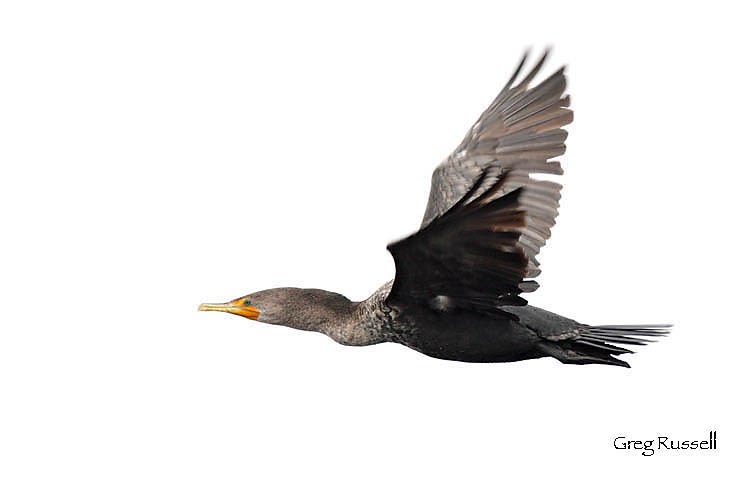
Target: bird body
(455,334)
(456,293)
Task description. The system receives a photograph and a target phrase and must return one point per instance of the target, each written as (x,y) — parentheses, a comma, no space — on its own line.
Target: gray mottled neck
(347,322)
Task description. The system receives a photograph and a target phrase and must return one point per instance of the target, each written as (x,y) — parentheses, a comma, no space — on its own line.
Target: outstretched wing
(520,129)
(478,254)
(487,218)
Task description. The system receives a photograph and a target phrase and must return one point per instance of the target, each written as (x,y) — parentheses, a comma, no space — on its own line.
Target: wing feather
(520,129)
(481,251)
(487,216)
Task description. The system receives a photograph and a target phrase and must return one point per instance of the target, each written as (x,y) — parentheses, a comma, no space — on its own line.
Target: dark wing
(520,129)
(478,254)
(487,218)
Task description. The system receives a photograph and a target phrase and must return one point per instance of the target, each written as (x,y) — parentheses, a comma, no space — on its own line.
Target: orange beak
(236,307)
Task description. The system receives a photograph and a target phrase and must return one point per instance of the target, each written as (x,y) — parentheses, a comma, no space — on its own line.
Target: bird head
(282,306)
(305,309)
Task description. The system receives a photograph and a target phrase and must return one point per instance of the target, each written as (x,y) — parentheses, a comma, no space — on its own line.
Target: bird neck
(345,321)
(325,315)
(372,323)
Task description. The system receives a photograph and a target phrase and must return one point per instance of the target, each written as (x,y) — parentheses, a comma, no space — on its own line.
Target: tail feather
(595,343)
(614,350)
(626,334)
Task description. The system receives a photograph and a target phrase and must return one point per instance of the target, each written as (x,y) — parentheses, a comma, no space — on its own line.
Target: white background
(156,155)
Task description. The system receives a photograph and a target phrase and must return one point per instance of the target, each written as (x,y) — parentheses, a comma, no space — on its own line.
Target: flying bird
(456,292)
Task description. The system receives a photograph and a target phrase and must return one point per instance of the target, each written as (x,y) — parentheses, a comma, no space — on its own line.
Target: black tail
(595,344)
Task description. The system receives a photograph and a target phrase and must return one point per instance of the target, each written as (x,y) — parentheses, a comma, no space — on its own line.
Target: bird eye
(247,302)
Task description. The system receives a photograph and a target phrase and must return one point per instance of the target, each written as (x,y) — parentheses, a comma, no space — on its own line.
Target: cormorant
(455,295)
